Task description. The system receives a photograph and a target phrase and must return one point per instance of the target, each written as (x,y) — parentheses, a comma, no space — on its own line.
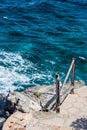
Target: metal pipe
(57,94)
(70,68)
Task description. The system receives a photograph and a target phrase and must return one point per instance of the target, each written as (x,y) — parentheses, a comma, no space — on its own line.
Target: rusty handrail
(71,90)
(69,70)
(57,94)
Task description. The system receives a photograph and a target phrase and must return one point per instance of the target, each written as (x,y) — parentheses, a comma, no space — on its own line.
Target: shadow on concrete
(80,124)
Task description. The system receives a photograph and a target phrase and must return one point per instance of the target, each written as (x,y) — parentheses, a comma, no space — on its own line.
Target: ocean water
(39,38)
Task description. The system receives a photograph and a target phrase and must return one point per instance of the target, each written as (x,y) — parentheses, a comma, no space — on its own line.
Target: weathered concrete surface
(17,120)
(48,93)
(72,116)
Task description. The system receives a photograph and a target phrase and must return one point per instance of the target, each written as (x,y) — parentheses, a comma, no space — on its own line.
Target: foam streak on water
(17,73)
(39,38)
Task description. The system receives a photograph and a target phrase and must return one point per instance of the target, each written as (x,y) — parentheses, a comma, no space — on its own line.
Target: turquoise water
(39,38)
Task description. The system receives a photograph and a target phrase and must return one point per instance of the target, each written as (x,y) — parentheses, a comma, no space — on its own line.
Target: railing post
(73,75)
(57,94)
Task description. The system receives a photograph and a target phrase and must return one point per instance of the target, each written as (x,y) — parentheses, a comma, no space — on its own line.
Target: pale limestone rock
(21,102)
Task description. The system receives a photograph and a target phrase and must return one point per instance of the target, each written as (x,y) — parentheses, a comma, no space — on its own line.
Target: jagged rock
(2,120)
(2,104)
(21,102)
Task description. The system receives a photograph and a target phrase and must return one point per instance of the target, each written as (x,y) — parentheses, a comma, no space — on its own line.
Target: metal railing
(59,97)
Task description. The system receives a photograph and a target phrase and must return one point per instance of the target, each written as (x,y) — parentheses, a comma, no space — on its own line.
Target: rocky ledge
(32,99)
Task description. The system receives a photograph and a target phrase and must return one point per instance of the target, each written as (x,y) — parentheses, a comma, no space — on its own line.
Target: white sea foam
(83,58)
(5,17)
(10,67)
(13,72)
(49,61)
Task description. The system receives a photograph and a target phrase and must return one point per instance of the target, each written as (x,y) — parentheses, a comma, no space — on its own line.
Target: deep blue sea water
(39,38)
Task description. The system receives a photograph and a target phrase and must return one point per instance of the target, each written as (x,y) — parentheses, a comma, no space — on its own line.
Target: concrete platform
(72,116)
